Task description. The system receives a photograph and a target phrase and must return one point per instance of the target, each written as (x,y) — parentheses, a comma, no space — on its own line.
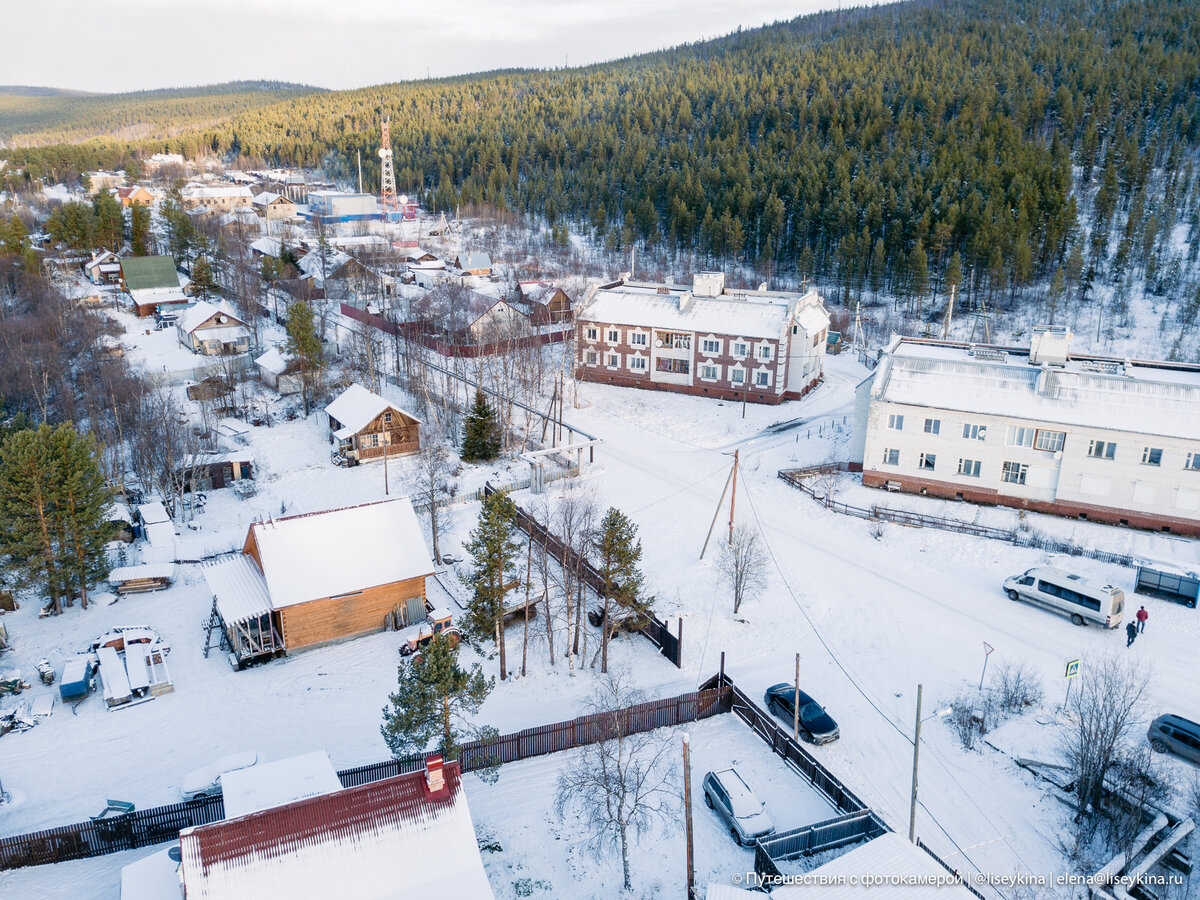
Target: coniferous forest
(896,149)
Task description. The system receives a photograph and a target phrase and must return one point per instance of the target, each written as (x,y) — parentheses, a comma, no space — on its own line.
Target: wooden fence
(657,631)
(798,478)
(145,828)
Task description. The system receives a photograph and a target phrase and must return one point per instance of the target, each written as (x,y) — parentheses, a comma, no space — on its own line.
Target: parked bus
(1082,599)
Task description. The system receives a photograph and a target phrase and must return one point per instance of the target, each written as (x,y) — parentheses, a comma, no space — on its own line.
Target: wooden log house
(308,580)
(362,426)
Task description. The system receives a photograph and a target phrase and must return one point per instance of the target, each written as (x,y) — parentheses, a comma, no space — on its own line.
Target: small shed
(273,370)
(75,683)
(114,678)
(212,471)
(474,263)
(362,425)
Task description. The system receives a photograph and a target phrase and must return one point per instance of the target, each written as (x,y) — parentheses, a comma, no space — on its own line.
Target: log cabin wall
(405,437)
(349,615)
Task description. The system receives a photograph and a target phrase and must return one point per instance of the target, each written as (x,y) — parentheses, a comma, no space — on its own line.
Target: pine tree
(495,550)
(304,346)
(619,552)
(204,279)
(481,435)
(110,221)
(53,501)
(433,694)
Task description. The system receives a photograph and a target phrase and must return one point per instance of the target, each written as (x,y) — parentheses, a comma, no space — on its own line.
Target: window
(974,432)
(590,356)
(387,417)
(708,372)
(764,352)
(614,336)
(895,422)
(1151,456)
(739,349)
(1014,473)
(637,362)
(969,467)
(737,376)
(593,333)
(712,346)
(933,426)
(1068,595)
(1102,449)
(891,457)
(672,340)
(638,340)
(674,366)
(1193,461)
(1051,441)
(1019,436)
(762,379)
(613,359)
(928,460)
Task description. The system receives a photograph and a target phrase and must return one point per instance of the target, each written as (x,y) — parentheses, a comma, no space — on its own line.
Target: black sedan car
(816,725)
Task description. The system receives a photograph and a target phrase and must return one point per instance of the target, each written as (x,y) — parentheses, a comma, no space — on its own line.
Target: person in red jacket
(1142,616)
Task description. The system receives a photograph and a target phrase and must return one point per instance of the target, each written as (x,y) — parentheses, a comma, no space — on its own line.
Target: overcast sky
(106,45)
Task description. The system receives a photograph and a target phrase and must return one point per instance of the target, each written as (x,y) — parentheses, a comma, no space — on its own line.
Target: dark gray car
(1175,734)
(731,798)
(816,725)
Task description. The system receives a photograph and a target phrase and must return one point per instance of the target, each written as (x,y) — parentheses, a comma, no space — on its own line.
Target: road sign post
(987,651)
(1071,672)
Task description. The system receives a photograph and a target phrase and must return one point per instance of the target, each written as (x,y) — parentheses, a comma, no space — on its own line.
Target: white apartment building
(761,346)
(1096,438)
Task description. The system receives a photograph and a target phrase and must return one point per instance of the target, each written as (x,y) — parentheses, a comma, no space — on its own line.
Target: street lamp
(912,810)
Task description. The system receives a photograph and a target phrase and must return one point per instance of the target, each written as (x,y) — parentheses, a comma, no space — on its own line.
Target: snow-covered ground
(871,617)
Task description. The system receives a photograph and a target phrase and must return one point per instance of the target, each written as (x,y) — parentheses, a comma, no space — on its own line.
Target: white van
(1083,599)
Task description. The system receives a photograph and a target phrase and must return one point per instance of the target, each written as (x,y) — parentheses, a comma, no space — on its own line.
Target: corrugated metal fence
(145,828)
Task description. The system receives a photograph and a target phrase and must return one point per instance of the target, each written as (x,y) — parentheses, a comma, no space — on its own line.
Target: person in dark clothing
(1131,633)
(1142,616)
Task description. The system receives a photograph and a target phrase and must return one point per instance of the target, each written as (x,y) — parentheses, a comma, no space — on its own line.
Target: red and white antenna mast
(387,174)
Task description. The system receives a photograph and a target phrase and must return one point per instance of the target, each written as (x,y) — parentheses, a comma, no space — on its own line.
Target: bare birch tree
(743,564)
(624,784)
(430,485)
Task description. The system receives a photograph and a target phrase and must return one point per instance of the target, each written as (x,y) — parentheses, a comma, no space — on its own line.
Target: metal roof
(141,272)
(238,588)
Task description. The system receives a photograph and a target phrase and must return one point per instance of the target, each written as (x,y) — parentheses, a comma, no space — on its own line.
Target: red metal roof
(387,805)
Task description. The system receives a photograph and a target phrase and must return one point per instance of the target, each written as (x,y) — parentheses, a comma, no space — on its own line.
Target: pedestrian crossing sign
(1072,668)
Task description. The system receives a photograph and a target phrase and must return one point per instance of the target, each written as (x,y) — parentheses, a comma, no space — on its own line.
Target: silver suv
(731,798)
(1175,734)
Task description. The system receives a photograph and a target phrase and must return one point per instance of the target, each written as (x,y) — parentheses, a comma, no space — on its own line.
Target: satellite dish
(383,152)
(658,343)
(404,198)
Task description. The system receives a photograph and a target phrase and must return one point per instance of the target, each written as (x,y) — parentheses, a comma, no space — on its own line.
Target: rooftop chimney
(434,781)
(1049,344)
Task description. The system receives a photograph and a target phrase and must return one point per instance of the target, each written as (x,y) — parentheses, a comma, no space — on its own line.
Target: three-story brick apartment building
(761,346)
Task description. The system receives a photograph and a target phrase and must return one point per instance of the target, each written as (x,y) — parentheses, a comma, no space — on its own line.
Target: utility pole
(733,495)
(716,513)
(687,807)
(386,435)
(796,704)
(912,809)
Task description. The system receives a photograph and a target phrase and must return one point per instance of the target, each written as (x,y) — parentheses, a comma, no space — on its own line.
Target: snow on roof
(278,783)
(146,570)
(750,314)
(268,246)
(214,193)
(273,361)
(153,513)
(339,551)
(889,854)
(153,877)
(238,588)
(476,259)
(161,535)
(268,197)
(1155,398)
(312,267)
(201,312)
(813,319)
(356,407)
(386,839)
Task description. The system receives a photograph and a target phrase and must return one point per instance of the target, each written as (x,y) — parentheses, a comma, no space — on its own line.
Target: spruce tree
(304,345)
(481,435)
(139,229)
(433,695)
(619,553)
(495,550)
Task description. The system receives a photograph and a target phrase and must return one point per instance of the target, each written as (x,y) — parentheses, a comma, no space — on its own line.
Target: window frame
(1108,448)
(933,426)
(965,465)
(891,456)
(1057,438)
(927,462)
(1152,456)
(974,432)
(1019,469)
(895,421)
